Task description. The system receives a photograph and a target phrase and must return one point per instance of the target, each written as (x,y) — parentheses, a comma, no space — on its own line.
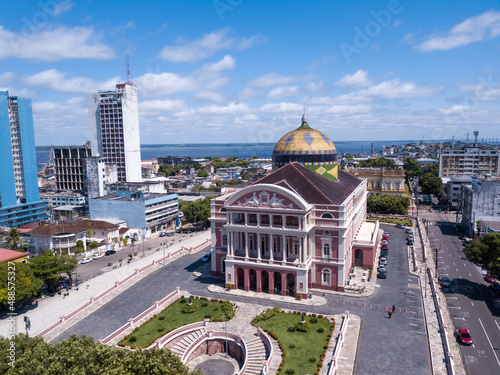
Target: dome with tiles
(307,146)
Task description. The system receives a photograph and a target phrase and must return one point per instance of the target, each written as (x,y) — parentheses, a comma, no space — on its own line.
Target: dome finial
(304,117)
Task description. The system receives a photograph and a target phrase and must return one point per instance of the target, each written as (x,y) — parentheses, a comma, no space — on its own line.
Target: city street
(387,346)
(471,303)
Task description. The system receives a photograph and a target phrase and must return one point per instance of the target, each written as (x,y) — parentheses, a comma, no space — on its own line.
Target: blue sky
(240,71)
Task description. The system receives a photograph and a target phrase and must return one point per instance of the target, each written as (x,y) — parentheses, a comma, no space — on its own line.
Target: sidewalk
(50,309)
(435,339)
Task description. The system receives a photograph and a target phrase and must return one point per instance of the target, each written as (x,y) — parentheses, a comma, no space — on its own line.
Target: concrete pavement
(50,309)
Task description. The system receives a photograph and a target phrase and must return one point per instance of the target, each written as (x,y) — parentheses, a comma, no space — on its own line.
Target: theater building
(292,231)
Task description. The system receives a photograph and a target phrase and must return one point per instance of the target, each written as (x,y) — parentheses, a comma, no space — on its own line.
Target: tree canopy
(376,162)
(48,267)
(431,184)
(202,173)
(81,355)
(433,169)
(412,168)
(26,283)
(13,239)
(229,162)
(388,204)
(485,253)
(197,211)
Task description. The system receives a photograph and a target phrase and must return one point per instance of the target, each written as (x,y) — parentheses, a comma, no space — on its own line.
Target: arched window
(224,240)
(326,232)
(223,209)
(326,250)
(326,277)
(326,215)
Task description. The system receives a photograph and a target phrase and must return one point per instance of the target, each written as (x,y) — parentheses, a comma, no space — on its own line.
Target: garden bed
(177,315)
(303,352)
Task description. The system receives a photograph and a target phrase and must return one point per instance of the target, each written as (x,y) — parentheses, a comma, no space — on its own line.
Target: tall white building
(114,130)
(469,161)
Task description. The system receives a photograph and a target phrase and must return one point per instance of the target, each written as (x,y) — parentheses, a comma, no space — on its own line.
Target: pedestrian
(390,314)
(393,308)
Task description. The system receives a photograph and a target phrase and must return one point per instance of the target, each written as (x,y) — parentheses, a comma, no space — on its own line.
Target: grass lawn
(302,349)
(406,222)
(171,318)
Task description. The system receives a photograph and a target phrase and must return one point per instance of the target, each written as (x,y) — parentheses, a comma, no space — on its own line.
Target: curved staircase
(257,353)
(180,347)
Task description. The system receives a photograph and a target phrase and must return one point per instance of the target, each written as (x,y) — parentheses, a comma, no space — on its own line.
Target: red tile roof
(8,255)
(78,226)
(311,186)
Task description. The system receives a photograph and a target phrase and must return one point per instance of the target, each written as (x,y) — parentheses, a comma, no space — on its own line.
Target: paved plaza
(399,345)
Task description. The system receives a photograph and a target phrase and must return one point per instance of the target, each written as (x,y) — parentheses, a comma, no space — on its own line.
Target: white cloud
(162,84)
(52,45)
(158,106)
(282,108)
(227,63)
(348,109)
(57,81)
(282,92)
(7,77)
(230,109)
(393,89)
(62,7)
(321,61)
(454,109)
(474,29)
(358,79)
(272,79)
(207,46)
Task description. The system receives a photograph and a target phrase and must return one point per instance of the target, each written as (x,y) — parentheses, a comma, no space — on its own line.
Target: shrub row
(268,314)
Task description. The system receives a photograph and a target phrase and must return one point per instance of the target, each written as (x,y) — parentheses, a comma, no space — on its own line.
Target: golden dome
(305,141)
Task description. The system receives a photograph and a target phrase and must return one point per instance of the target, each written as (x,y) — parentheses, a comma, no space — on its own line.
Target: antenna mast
(129,76)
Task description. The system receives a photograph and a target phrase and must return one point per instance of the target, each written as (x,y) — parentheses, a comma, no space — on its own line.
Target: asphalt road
(387,346)
(471,303)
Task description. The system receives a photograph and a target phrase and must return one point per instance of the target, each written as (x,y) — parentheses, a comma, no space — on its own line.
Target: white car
(97,256)
(85,260)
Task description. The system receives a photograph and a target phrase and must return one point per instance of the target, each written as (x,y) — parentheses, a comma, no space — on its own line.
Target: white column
(284,250)
(230,240)
(283,221)
(258,246)
(258,220)
(301,249)
(246,244)
(271,249)
(246,217)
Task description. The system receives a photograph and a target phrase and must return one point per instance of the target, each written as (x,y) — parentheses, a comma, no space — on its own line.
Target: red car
(385,238)
(464,336)
(384,246)
(489,278)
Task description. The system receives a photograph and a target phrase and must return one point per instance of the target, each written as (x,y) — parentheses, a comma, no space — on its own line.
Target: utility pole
(143,238)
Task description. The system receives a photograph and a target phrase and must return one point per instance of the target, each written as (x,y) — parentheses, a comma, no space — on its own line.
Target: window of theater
(326,215)
(325,277)
(326,250)
(224,240)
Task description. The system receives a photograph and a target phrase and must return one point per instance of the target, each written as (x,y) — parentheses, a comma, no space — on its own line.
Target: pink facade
(290,232)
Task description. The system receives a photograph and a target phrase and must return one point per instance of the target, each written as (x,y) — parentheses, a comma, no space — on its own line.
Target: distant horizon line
(400,141)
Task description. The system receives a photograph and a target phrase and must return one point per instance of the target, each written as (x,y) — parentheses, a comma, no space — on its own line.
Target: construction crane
(51,157)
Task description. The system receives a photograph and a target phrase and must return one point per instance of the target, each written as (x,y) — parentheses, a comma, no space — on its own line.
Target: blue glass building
(19,198)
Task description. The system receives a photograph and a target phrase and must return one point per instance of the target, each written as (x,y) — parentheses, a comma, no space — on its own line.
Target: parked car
(446,282)
(464,336)
(489,278)
(381,267)
(97,256)
(206,257)
(170,234)
(110,252)
(163,234)
(383,261)
(385,246)
(384,237)
(386,234)
(408,231)
(382,274)
(385,242)
(402,226)
(495,285)
(85,260)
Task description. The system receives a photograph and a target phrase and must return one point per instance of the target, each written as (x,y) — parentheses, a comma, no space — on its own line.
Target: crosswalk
(440,223)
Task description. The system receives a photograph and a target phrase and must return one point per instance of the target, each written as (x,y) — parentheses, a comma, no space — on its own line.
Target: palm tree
(13,239)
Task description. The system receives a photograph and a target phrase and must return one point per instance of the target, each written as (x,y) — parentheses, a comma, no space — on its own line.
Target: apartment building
(69,166)
(469,161)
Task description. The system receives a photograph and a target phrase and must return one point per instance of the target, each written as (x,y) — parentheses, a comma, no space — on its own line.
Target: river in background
(241,151)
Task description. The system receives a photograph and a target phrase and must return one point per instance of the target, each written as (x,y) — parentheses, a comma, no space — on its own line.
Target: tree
(202,173)
(90,232)
(82,355)
(13,239)
(80,247)
(376,162)
(433,169)
(93,245)
(485,252)
(48,267)
(411,167)
(68,264)
(197,211)
(388,204)
(431,184)
(26,283)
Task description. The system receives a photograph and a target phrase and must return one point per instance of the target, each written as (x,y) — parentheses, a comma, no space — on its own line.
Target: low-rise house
(7,255)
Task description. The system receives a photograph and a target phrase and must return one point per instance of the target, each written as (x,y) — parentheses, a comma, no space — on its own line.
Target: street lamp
(27,323)
(143,238)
